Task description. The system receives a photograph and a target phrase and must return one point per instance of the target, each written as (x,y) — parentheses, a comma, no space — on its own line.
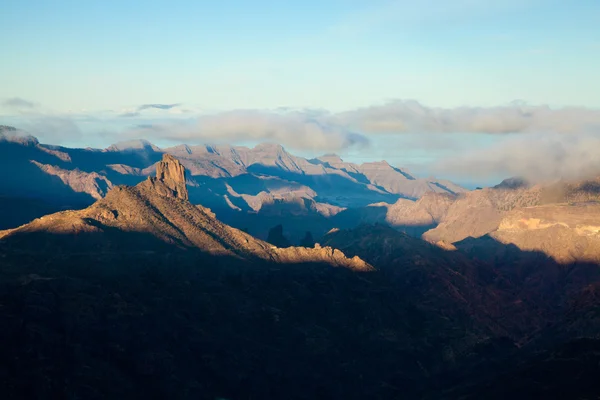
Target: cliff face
(171,173)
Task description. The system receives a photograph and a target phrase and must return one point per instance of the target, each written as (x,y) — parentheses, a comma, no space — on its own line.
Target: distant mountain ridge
(256,189)
(236,182)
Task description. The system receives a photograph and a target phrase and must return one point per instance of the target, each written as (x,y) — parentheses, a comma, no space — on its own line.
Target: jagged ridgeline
(159,209)
(250,188)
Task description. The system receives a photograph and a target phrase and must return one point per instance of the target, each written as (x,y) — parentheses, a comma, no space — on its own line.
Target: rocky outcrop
(318,254)
(171,174)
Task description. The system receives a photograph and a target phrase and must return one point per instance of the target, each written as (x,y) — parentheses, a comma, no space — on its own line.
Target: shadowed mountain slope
(532,311)
(236,182)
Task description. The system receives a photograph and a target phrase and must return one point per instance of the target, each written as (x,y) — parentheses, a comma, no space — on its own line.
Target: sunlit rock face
(170,172)
(567,233)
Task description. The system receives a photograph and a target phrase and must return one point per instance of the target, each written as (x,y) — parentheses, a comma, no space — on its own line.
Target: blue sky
(335,54)
(77,59)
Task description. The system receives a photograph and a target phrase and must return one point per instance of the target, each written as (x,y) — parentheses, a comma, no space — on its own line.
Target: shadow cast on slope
(294,214)
(141,318)
(137,318)
(565,371)
(332,188)
(534,270)
(374,214)
(17,211)
(538,303)
(212,193)
(16,169)
(27,192)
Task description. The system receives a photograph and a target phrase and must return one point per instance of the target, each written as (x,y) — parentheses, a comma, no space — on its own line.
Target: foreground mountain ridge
(159,207)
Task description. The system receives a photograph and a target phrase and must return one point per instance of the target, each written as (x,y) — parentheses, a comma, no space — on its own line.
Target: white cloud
(53,129)
(297,129)
(536,157)
(536,142)
(411,117)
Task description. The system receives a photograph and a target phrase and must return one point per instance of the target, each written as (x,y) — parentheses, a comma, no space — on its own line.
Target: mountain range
(121,277)
(251,188)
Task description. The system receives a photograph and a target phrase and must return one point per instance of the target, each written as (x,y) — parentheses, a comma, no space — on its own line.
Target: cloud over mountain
(534,141)
(536,157)
(407,116)
(298,129)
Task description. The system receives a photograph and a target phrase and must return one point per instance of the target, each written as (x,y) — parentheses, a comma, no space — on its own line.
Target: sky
(351,76)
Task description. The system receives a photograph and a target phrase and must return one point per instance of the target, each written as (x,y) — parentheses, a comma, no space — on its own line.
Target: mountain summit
(171,175)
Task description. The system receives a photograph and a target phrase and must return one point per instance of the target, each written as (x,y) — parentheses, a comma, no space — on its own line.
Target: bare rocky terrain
(558,218)
(125,280)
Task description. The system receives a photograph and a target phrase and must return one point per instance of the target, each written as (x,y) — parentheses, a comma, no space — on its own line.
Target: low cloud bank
(535,142)
(301,130)
(535,157)
(405,116)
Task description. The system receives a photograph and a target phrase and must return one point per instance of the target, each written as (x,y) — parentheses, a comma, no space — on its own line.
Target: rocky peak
(14,135)
(331,159)
(133,145)
(272,148)
(183,148)
(6,128)
(171,173)
(376,166)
